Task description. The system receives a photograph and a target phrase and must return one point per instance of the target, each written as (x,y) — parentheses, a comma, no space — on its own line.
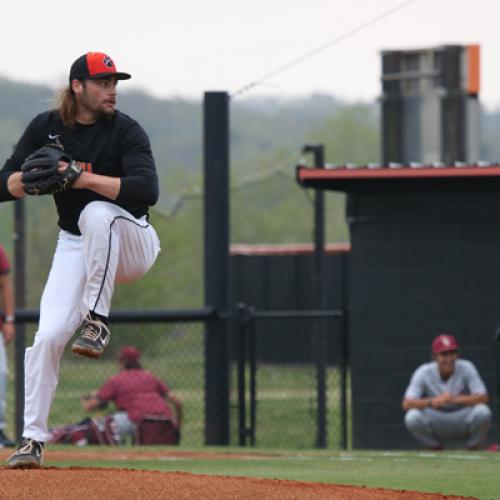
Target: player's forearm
(7,295)
(470,399)
(101,184)
(418,404)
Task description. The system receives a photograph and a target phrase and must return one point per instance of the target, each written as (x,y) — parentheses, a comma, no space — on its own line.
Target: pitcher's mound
(92,483)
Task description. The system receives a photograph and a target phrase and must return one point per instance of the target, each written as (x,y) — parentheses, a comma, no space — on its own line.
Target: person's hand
(15,185)
(9,331)
(441,400)
(89,402)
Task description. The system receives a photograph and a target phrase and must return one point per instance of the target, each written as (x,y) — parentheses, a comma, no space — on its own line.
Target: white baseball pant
(114,247)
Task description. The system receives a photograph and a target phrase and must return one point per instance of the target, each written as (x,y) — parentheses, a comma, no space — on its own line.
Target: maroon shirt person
(136,393)
(7,332)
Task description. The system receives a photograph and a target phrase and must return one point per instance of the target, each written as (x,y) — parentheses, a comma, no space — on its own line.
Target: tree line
(267,205)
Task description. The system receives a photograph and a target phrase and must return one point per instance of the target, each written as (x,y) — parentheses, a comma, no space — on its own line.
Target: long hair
(66,106)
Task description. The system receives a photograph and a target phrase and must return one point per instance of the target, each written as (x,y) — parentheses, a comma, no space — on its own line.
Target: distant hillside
(258,125)
(267,205)
(175,126)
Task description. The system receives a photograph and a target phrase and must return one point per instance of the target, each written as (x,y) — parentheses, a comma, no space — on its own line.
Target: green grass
(472,474)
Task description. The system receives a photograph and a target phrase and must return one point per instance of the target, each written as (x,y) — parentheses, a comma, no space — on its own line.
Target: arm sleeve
(140,184)
(107,392)
(476,384)
(29,142)
(415,389)
(162,388)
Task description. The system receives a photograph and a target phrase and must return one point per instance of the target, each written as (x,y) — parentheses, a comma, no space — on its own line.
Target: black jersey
(116,146)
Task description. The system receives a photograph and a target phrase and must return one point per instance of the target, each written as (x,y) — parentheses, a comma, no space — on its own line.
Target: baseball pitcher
(97,164)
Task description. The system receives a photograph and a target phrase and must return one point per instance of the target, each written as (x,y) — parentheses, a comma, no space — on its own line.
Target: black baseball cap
(94,65)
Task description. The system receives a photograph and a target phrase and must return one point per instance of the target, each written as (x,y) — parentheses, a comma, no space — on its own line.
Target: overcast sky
(182,48)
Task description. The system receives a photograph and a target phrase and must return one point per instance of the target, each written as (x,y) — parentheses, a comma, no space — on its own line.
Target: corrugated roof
(340,176)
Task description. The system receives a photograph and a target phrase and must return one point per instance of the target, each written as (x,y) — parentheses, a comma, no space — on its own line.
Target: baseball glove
(40,173)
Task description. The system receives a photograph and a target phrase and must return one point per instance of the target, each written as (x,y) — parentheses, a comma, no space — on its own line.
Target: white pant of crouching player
(114,247)
(465,427)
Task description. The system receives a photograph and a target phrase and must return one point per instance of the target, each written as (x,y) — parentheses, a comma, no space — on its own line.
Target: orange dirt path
(97,483)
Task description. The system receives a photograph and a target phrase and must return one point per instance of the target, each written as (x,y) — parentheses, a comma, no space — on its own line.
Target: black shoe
(5,442)
(28,455)
(94,337)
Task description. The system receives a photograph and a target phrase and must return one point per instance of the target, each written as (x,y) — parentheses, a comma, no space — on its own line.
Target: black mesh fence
(294,380)
(283,411)
(172,351)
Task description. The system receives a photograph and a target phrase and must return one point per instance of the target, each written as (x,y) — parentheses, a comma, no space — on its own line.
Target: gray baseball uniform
(451,424)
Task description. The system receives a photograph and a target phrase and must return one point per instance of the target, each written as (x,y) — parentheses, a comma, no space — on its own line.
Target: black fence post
(252,359)
(246,353)
(242,356)
(319,281)
(344,356)
(20,297)
(496,354)
(216,261)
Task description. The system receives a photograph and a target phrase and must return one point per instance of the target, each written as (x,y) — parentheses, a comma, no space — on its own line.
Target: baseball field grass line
(453,473)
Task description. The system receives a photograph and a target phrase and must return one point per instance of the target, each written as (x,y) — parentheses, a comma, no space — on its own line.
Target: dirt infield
(97,483)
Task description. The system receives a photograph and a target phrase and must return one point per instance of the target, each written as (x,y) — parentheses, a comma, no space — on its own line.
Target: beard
(98,110)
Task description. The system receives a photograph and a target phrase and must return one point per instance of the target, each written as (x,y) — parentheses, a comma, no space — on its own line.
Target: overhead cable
(324,46)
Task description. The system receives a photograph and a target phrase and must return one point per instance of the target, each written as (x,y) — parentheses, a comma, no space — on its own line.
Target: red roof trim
(287,249)
(306,173)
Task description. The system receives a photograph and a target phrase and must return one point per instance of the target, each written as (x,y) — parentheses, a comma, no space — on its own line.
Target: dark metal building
(424,259)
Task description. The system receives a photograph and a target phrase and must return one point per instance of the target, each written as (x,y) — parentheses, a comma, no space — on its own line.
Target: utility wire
(250,180)
(263,175)
(324,46)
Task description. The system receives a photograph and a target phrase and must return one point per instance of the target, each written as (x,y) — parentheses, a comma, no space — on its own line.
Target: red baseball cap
(129,353)
(94,65)
(443,343)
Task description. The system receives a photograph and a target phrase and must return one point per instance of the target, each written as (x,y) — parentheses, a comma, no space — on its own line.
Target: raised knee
(95,214)
(482,413)
(413,418)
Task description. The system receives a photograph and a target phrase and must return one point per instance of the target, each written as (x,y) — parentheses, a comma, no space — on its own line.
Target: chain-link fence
(290,379)
(173,351)
(284,410)
(267,206)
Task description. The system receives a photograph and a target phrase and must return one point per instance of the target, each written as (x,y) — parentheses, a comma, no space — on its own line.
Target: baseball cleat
(94,337)
(28,455)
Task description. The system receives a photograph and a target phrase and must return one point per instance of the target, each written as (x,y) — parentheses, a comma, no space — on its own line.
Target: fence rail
(143,316)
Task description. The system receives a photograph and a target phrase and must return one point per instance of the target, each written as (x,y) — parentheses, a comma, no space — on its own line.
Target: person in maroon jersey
(7,332)
(136,393)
